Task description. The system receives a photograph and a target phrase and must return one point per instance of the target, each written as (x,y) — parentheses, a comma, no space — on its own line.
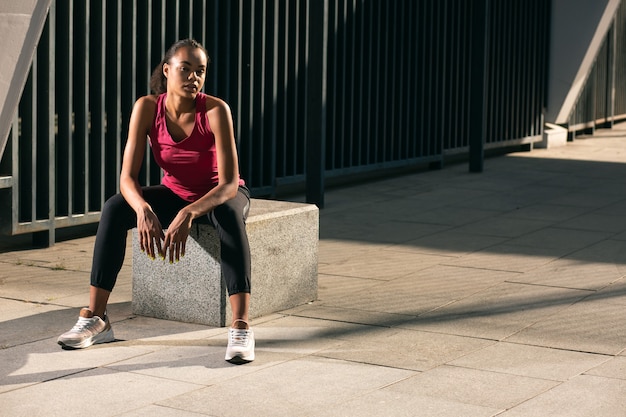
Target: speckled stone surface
(284,248)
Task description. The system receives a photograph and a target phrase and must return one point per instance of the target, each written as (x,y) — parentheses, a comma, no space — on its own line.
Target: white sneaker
(240,346)
(87,331)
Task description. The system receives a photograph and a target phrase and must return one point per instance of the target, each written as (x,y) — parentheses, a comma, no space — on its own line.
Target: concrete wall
(578,28)
(21,22)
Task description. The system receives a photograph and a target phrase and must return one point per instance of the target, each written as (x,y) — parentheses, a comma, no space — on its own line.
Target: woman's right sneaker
(240,348)
(87,331)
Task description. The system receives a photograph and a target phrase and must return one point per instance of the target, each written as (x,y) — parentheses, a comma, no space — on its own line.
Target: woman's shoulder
(215,103)
(147,105)
(149,100)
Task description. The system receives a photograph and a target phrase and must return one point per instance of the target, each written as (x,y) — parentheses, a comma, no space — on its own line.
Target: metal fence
(320,90)
(602,101)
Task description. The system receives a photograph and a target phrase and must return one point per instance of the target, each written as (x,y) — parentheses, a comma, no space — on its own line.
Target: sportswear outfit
(190,171)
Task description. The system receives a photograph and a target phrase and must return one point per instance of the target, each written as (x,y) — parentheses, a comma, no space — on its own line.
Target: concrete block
(553,136)
(283,244)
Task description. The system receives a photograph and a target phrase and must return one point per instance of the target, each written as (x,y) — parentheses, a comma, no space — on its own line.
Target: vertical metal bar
(332,102)
(33,138)
(45,161)
(118,93)
(15,171)
(444,95)
(285,87)
(360,89)
(341,90)
(85,110)
(351,97)
(478,74)
(52,192)
(317,12)
(610,93)
(68,112)
(369,113)
(274,110)
(97,100)
(258,92)
(297,73)
(240,75)
(423,62)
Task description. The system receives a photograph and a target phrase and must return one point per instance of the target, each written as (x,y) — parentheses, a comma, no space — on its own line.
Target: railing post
(317,29)
(610,90)
(479,45)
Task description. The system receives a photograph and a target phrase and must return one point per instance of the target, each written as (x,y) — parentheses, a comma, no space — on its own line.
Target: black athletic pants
(229,219)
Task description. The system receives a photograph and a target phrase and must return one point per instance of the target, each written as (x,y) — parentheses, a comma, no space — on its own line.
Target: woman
(192,138)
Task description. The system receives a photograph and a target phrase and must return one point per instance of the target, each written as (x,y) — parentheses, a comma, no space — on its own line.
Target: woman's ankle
(240,324)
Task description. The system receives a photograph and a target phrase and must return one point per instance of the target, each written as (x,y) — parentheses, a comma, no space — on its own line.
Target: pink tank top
(190,165)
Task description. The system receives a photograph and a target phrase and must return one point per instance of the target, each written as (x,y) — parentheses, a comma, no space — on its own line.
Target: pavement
(441,293)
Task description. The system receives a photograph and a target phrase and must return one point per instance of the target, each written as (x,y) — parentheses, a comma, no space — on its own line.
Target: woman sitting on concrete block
(192,139)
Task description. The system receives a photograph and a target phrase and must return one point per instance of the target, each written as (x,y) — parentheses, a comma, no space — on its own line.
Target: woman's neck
(177,106)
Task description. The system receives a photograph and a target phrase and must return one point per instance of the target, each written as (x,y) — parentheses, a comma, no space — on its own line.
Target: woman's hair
(158,82)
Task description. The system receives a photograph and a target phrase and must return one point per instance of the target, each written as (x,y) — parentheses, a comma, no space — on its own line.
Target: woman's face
(186,71)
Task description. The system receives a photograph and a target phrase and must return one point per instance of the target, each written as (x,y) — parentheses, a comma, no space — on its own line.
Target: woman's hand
(176,236)
(150,232)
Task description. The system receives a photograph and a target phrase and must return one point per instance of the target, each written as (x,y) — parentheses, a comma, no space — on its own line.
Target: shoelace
(81,324)
(239,337)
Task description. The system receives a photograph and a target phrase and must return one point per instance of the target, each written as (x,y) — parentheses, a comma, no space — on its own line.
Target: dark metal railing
(320,90)
(602,101)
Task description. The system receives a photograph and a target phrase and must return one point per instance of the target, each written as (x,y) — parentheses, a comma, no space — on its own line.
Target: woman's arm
(148,225)
(220,120)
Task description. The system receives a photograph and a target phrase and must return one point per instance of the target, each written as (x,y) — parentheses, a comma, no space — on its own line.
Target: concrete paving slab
(548,212)
(406,349)
(66,396)
(159,411)
(196,364)
(472,386)
(595,221)
(506,257)
(589,199)
(587,326)
(448,216)
(447,193)
(585,396)
(499,311)
(501,226)
(448,242)
(571,273)
(321,330)
(613,293)
(339,250)
(43,285)
(334,290)
(380,265)
(422,291)
(24,323)
(299,387)
(43,361)
(132,329)
(399,231)
(607,251)
(531,361)
(613,368)
(385,403)
(556,237)
(358,317)
(617,208)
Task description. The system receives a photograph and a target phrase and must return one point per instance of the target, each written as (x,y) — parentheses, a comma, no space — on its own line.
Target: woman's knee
(231,212)
(116,209)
